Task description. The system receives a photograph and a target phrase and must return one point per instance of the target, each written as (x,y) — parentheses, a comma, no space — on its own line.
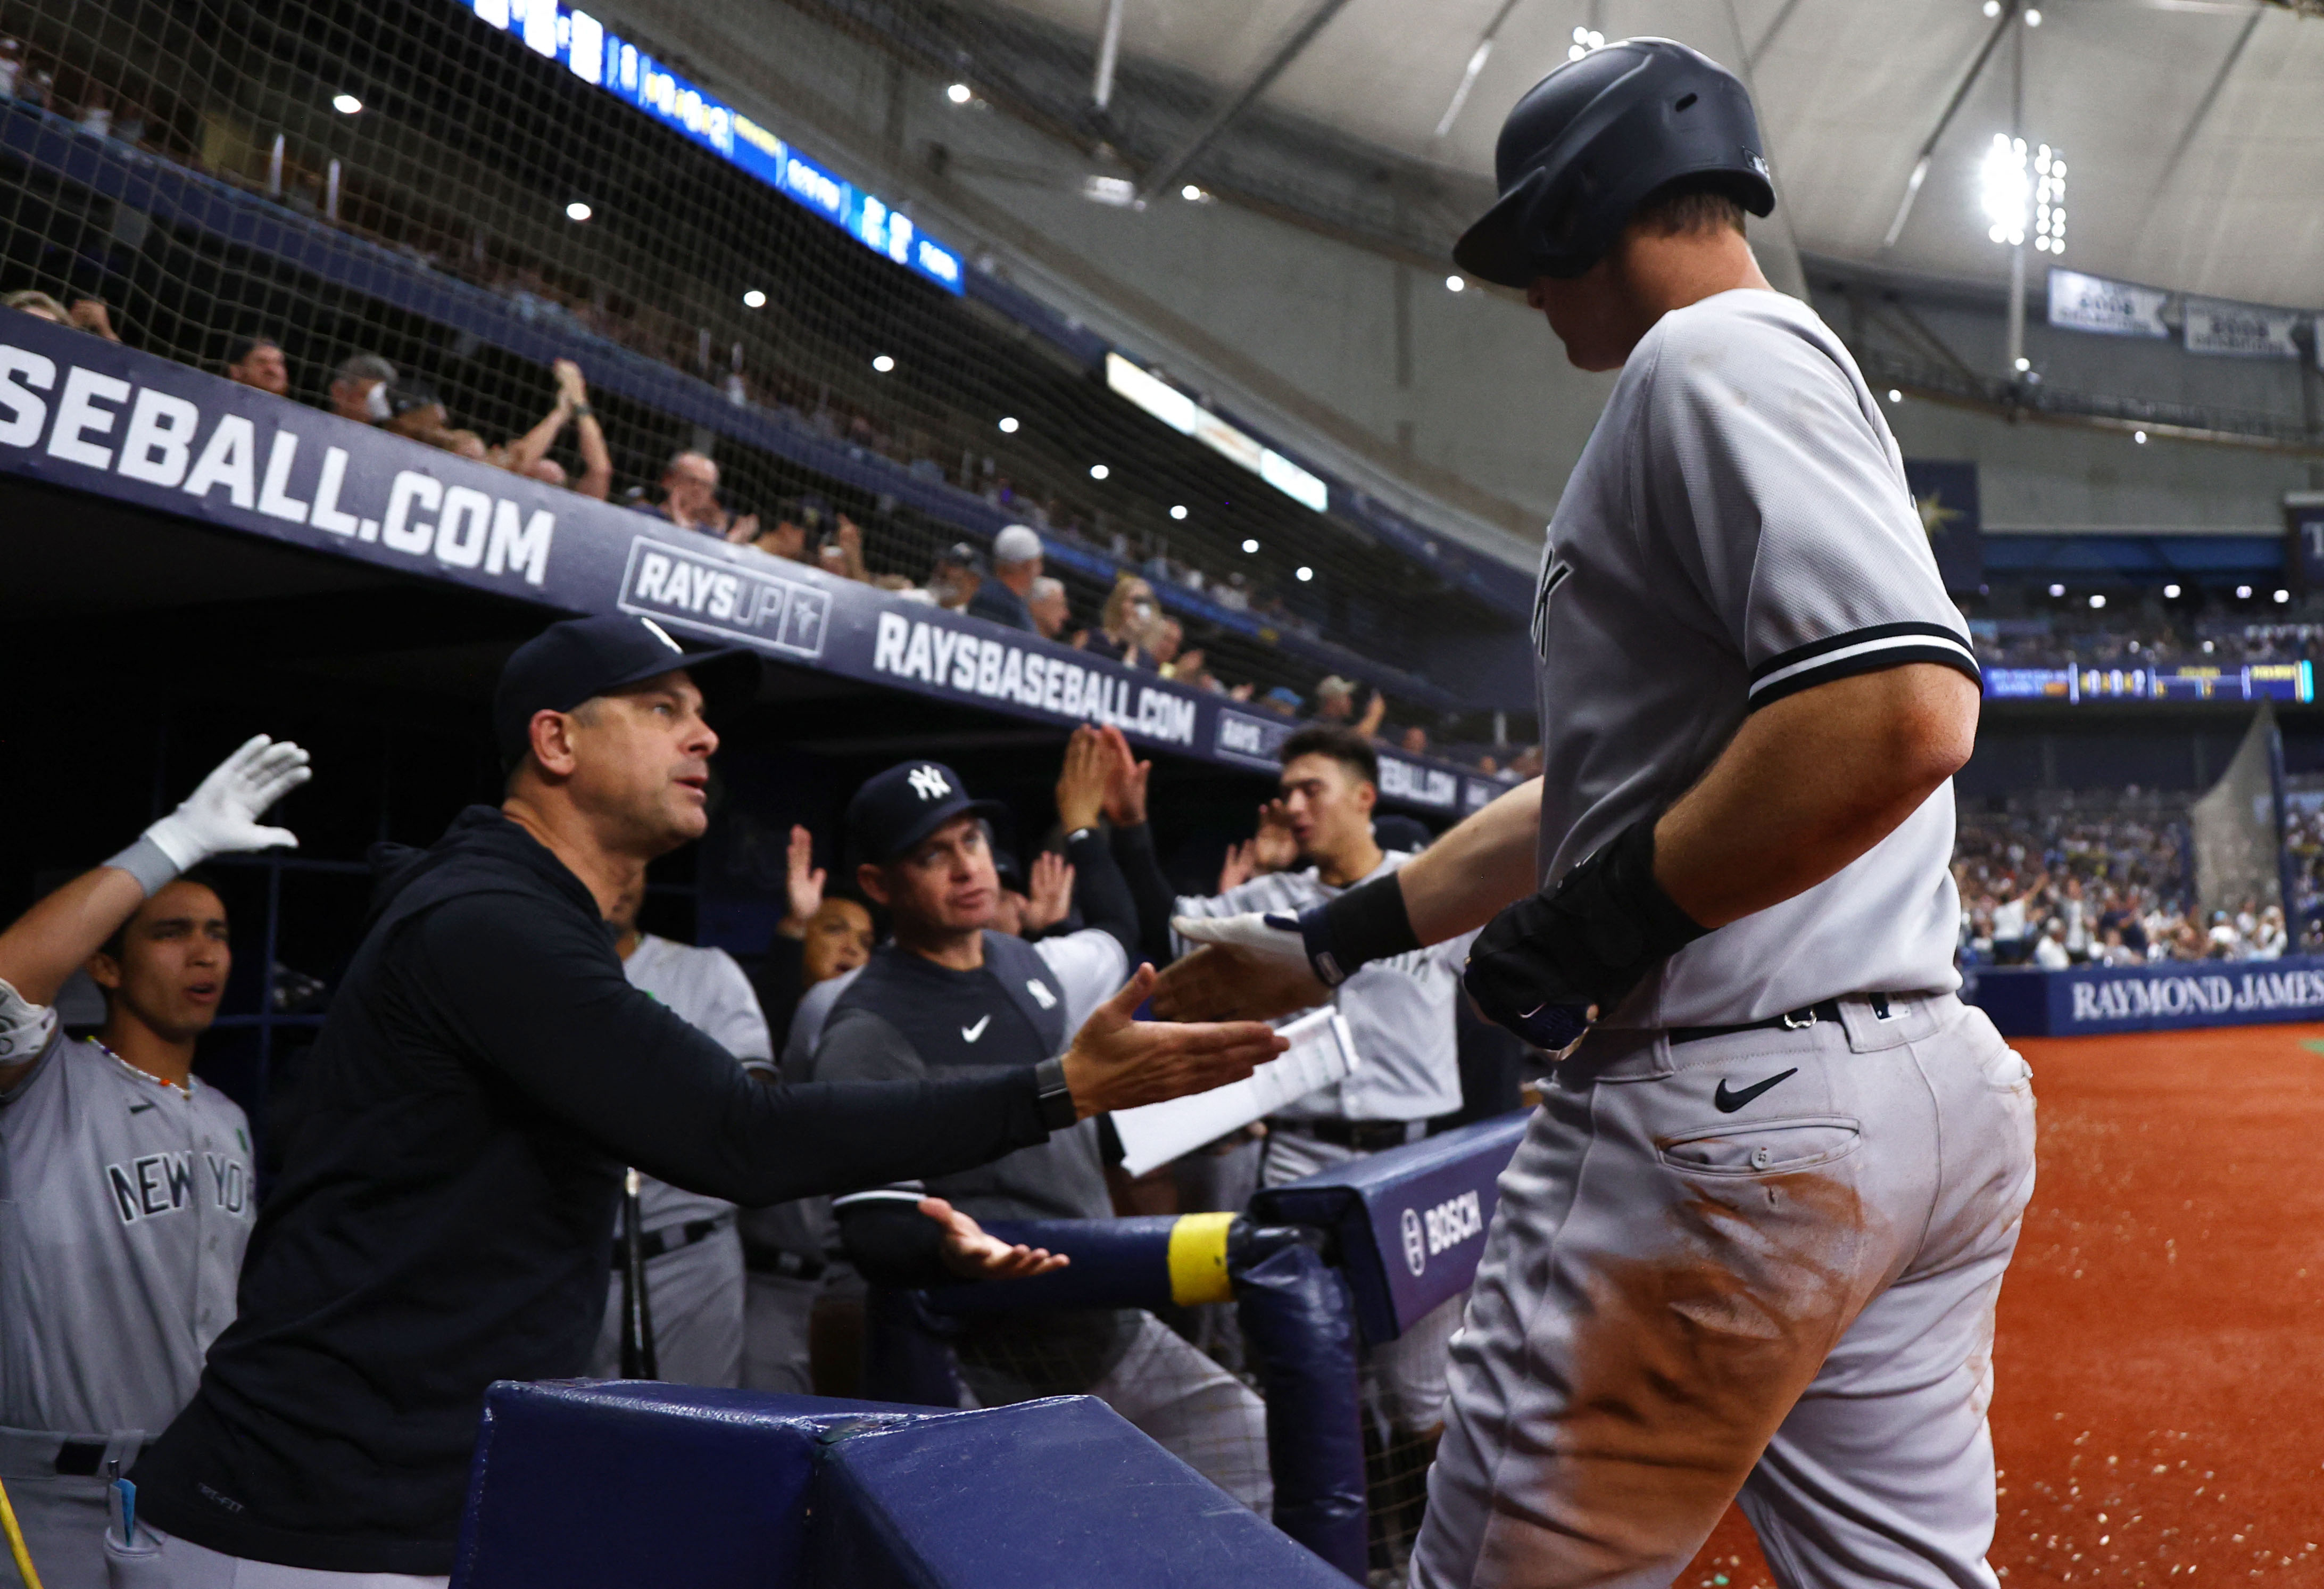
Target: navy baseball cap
(566,663)
(899,807)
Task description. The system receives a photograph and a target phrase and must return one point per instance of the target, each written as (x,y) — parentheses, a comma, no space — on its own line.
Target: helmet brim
(1493,248)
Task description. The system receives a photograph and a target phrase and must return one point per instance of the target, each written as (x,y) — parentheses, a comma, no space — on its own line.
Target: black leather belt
(671,1238)
(1365,1136)
(775,1261)
(1789,1021)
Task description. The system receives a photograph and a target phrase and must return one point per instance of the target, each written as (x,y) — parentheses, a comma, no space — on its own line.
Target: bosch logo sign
(1450,1224)
(1416,1247)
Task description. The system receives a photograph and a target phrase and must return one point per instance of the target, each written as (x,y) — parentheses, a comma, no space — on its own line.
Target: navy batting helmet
(1591,141)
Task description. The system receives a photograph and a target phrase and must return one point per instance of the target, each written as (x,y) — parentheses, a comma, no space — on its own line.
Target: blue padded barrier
(1059,1492)
(1409,1222)
(589,1485)
(1300,1336)
(2168,996)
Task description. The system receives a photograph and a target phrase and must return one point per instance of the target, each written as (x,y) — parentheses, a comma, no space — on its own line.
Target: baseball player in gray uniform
(694,1258)
(1753,1239)
(1399,1013)
(126,1190)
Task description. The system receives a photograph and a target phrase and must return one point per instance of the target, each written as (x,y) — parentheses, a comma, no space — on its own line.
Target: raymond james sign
(2149,998)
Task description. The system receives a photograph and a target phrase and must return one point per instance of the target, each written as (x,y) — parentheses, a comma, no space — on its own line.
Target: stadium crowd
(2061,889)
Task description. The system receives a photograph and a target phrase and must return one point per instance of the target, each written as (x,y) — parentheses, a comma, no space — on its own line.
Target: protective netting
(2237,829)
(410,183)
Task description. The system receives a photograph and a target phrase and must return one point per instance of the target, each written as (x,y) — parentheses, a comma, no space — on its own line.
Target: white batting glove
(1275,937)
(221,816)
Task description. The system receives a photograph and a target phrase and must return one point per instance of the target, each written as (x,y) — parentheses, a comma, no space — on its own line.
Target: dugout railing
(1318,1271)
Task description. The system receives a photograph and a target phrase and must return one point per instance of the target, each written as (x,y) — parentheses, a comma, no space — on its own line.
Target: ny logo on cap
(929,784)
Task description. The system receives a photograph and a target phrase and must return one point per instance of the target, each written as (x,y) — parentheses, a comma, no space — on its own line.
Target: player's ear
(872,882)
(551,742)
(103,970)
(1367,795)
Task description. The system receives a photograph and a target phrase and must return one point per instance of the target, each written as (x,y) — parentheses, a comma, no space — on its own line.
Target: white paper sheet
(1321,1053)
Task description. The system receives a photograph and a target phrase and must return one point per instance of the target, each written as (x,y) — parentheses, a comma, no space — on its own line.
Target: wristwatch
(1057,1110)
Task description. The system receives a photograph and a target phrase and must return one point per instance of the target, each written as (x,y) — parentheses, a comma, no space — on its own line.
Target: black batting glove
(1547,967)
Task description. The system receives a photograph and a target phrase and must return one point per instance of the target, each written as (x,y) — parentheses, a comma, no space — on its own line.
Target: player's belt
(672,1238)
(1789,1021)
(27,1454)
(1365,1136)
(760,1258)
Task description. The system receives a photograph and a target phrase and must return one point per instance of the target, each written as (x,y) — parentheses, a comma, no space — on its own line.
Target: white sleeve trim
(1860,650)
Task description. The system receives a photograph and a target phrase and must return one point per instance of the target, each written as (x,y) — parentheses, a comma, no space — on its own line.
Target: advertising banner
(2241,330)
(2163,996)
(89,415)
(2114,309)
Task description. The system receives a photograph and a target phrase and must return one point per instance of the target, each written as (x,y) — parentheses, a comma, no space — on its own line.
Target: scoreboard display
(2250,682)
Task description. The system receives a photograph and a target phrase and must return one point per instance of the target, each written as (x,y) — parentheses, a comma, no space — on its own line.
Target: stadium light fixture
(1992,8)
(2033,16)
(883,364)
(2170,593)
(2048,200)
(1303,574)
(2024,364)
(2003,189)
(1250,546)
(346,104)
(960,92)
(2284,595)
(1894,396)
(577,211)
(2097,600)
(1008,425)
(1192,193)
(2243,593)
(1099,471)
(1179,510)
(2139,437)
(754,299)
(1455,284)
(2057,590)
(1585,40)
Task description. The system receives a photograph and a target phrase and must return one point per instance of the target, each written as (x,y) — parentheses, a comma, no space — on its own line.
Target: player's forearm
(47,943)
(1458,882)
(531,448)
(596,460)
(1809,784)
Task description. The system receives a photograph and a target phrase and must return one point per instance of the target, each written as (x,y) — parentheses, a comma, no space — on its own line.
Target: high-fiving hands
(1119,1063)
(221,816)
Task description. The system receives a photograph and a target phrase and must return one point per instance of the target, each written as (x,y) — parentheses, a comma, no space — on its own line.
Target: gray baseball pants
(1701,1281)
(696,1295)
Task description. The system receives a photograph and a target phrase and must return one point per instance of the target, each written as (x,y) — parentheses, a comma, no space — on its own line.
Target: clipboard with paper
(1321,1053)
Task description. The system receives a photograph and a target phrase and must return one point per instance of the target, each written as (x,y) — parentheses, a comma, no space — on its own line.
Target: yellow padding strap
(23,1557)
(1198,1258)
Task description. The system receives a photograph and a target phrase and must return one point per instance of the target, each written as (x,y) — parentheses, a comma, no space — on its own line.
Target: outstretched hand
(221,816)
(1125,783)
(803,882)
(1233,982)
(1082,781)
(1116,1062)
(1049,893)
(973,1255)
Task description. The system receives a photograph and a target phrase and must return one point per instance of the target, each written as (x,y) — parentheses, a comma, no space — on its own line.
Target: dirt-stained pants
(1764,1262)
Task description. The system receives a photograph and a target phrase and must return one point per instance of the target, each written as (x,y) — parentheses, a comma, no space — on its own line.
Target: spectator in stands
(87,314)
(958,576)
(689,499)
(786,538)
(415,411)
(841,553)
(1016,564)
(258,361)
(359,389)
(1415,742)
(2050,950)
(2008,924)
(1046,604)
(1123,627)
(1282,700)
(528,453)
(2268,938)
(1335,705)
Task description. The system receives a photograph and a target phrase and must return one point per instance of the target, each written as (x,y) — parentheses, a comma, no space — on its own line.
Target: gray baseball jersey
(709,991)
(124,1206)
(1738,530)
(1399,1010)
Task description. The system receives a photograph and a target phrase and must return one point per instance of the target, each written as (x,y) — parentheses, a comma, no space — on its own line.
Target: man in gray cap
(359,389)
(1016,564)
(461,1127)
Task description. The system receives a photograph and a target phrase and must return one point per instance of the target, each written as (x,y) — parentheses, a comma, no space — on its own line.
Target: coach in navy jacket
(484,1073)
